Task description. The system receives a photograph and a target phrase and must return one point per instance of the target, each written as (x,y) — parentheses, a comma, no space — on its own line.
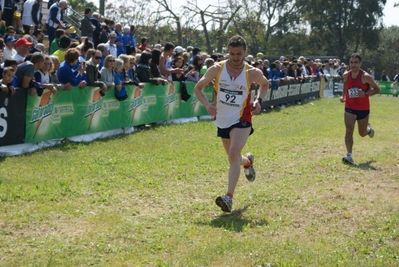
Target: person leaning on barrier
(6,81)
(42,75)
(107,71)
(66,73)
(54,77)
(93,76)
(25,74)
(143,70)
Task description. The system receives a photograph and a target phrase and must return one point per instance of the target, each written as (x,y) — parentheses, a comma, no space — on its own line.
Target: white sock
(349,155)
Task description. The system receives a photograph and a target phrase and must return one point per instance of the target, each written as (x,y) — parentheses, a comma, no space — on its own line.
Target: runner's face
(354,63)
(237,55)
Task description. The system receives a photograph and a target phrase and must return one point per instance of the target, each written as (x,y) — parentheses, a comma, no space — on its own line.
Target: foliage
(345,26)
(386,56)
(147,199)
(80,5)
(129,12)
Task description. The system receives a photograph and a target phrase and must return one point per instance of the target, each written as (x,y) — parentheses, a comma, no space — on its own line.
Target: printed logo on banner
(44,110)
(3,122)
(94,106)
(136,101)
(170,95)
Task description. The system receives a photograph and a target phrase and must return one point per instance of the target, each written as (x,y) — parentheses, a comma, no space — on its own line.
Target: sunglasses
(98,57)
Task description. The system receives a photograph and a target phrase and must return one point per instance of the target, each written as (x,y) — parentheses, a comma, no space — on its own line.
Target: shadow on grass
(234,221)
(366,166)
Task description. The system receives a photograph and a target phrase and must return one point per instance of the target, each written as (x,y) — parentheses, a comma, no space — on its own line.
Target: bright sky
(390,18)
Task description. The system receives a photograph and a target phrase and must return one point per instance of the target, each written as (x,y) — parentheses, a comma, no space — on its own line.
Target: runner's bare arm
(204,81)
(345,78)
(257,77)
(369,80)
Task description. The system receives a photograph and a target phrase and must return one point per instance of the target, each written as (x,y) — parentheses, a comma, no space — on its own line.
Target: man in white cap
(9,51)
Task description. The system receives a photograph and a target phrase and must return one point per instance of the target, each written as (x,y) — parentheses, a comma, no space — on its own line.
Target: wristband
(366,93)
(259,100)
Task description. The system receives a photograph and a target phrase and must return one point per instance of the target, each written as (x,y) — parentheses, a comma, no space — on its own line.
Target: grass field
(147,199)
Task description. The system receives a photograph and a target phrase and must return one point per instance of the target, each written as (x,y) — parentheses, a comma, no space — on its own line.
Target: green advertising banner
(84,111)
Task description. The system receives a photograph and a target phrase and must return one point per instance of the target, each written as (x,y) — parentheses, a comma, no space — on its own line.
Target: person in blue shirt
(274,75)
(120,48)
(132,36)
(66,73)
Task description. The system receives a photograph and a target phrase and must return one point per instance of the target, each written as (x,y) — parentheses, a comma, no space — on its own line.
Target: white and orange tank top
(233,96)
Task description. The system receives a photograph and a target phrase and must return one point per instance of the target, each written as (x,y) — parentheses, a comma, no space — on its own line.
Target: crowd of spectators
(107,56)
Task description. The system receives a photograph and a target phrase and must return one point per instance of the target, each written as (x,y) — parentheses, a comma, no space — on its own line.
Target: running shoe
(225,203)
(371,131)
(250,172)
(348,160)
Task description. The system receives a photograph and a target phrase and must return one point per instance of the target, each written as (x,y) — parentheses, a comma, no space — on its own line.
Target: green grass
(147,199)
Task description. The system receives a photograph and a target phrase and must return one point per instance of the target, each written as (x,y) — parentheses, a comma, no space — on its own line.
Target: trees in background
(274,27)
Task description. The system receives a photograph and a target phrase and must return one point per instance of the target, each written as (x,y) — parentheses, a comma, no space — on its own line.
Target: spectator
(112,49)
(93,76)
(64,44)
(25,75)
(143,70)
(107,71)
(144,42)
(132,36)
(3,27)
(22,46)
(9,50)
(384,76)
(120,49)
(85,46)
(32,14)
(95,20)
(10,31)
(37,36)
(156,55)
(178,51)
(292,71)
(30,32)
(165,62)
(197,62)
(9,63)
(195,52)
(55,18)
(178,63)
(104,51)
(396,77)
(192,75)
(341,70)
(8,12)
(6,82)
(132,72)
(209,62)
(104,35)
(54,77)
(120,90)
(372,72)
(66,73)
(86,27)
(265,68)
(55,43)
(186,58)
(42,75)
(126,39)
